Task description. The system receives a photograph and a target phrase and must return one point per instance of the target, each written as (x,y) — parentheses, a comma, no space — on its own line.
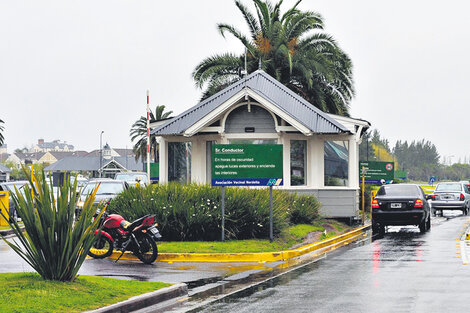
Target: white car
(133,178)
(450,196)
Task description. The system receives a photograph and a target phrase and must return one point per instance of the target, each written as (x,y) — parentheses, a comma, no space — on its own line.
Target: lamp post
(101,153)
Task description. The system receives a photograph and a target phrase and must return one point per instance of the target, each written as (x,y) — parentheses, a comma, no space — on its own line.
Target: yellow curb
(329,243)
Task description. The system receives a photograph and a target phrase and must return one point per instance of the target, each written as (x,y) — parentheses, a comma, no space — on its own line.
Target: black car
(10,187)
(107,190)
(400,204)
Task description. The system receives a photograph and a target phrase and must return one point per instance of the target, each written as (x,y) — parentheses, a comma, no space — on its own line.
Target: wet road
(195,274)
(403,272)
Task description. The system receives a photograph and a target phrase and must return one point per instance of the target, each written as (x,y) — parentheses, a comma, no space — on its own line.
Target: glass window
(298,153)
(336,158)
(449,187)
(104,188)
(398,190)
(179,162)
(253,141)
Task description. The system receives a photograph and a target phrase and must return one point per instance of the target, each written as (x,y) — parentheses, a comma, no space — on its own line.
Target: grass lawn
(291,236)
(28,292)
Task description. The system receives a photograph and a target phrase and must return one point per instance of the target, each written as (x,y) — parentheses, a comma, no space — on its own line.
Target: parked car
(466,183)
(81,181)
(400,204)
(450,196)
(107,190)
(133,178)
(10,187)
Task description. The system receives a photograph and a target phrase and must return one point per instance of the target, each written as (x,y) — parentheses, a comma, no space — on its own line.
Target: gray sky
(69,69)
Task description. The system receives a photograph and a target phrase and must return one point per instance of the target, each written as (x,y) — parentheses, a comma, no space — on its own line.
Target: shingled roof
(270,89)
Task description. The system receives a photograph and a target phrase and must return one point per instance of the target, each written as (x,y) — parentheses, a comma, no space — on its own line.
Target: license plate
(395,205)
(155,232)
(447,197)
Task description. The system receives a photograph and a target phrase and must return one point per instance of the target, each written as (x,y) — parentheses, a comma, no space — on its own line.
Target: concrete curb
(145,300)
(8,232)
(253,257)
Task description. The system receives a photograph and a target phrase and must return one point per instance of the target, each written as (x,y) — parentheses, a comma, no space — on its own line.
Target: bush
(193,212)
(302,212)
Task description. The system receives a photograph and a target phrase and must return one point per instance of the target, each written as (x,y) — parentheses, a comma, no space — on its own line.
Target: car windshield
(11,187)
(106,188)
(398,190)
(449,187)
(131,177)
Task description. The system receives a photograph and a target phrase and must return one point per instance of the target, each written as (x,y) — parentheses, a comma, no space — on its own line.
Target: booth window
(298,149)
(179,162)
(336,159)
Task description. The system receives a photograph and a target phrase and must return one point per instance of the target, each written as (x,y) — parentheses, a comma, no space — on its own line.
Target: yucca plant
(53,243)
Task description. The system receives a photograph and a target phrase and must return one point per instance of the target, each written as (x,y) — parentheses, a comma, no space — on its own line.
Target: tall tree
(1,133)
(139,132)
(291,47)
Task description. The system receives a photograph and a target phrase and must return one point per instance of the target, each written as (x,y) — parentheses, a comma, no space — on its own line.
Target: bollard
(4,207)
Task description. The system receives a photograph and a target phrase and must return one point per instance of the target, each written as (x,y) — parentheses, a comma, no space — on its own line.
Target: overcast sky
(69,69)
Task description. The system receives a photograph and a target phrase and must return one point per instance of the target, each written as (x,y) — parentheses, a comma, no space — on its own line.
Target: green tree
(291,47)
(1,133)
(139,132)
(366,152)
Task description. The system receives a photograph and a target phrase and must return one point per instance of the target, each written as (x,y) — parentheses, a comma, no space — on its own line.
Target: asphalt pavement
(195,274)
(403,272)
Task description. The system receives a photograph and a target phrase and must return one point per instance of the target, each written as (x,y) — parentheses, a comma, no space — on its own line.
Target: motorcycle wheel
(102,248)
(149,246)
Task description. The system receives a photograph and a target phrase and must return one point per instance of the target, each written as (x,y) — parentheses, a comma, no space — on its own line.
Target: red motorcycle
(115,232)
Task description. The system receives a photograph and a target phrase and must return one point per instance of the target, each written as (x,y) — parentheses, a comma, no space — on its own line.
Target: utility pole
(148,139)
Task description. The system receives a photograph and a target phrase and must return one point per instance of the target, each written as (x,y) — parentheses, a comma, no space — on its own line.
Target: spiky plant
(1,133)
(52,243)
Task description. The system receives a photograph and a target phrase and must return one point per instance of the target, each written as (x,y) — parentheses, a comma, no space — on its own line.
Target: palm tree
(291,47)
(1,131)
(139,132)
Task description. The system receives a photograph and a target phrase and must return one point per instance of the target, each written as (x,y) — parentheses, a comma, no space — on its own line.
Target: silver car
(450,196)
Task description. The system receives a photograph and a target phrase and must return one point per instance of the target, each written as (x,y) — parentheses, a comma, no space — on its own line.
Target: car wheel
(434,212)
(381,231)
(428,223)
(422,226)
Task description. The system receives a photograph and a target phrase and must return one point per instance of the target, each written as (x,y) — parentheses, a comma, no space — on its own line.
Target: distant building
(94,165)
(55,145)
(48,157)
(4,173)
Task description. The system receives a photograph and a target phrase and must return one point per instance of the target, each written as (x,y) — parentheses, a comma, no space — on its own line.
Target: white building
(320,151)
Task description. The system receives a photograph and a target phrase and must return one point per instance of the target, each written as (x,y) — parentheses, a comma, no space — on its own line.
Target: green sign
(154,171)
(247,165)
(377,172)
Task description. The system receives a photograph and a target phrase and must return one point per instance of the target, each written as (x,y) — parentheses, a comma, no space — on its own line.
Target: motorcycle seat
(134,224)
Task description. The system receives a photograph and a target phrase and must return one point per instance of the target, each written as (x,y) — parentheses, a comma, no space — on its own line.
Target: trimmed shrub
(302,212)
(193,212)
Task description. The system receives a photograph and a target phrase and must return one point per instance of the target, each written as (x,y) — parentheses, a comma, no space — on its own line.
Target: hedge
(193,212)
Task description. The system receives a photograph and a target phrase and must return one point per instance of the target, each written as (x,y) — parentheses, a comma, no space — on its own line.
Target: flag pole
(148,139)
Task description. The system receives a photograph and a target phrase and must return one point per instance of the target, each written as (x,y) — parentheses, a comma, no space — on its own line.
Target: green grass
(290,236)
(28,292)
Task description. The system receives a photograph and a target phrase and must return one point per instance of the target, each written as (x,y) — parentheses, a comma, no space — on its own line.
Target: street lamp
(101,153)
(450,159)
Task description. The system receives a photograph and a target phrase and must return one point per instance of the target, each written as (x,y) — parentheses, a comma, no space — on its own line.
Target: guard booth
(320,151)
